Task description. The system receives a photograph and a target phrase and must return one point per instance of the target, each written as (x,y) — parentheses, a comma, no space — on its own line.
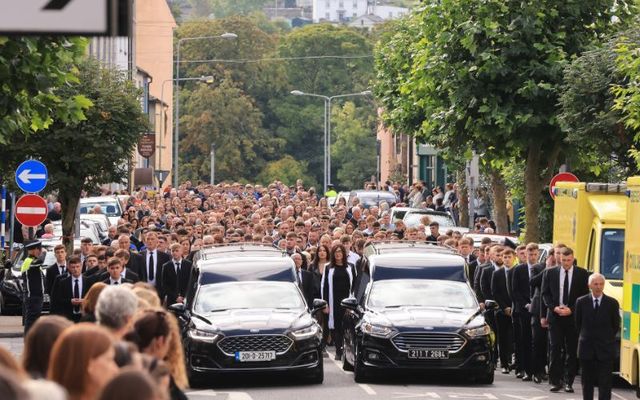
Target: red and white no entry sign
(31,210)
(561,177)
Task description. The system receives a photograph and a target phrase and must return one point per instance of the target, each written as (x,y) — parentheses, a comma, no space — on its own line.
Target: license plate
(254,356)
(427,354)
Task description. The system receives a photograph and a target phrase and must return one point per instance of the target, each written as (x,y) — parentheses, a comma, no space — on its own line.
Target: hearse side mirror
(318,304)
(490,305)
(350,303)
(178,308)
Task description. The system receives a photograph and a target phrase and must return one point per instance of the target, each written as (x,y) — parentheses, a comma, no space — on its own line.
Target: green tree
(95,151)
(487,75)
(287,170)
(226,8)
(354,147)
(599,139)
(30,71)
(228,118)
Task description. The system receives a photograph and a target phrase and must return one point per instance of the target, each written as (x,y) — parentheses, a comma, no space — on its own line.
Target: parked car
(245,313)
(370,198)
(110,205)
(417,313)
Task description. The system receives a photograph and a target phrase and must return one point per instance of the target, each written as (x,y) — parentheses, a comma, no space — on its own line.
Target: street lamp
(176,136)
(327,126)
(204,79)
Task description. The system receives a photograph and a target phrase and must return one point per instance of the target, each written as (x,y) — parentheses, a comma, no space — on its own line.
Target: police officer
(33,288)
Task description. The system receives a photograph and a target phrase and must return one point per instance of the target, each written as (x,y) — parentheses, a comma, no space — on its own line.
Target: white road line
(338,363)
(209,393)
(368,390)
(618,396)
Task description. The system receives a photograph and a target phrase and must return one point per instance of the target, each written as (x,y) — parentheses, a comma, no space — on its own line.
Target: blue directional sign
(31,176)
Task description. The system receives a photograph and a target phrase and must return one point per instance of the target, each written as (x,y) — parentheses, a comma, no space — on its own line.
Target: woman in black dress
(337,280)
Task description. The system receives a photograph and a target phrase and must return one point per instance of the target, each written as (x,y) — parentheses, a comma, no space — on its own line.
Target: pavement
(11,327)
(339,385)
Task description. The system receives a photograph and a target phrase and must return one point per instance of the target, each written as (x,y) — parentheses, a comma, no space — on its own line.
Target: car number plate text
(252,356)
(428,354)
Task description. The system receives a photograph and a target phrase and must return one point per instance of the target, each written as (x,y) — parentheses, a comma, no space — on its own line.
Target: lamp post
(213,164)
(204,79)
(176,136)
(327,126)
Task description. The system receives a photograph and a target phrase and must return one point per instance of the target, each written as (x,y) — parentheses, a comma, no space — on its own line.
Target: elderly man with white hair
(115,309)
(598,322)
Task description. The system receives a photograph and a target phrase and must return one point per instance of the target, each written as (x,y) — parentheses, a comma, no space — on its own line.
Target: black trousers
(539,340)
(505,339)
(563,336)
(32,309)
(596,371)
(522,331)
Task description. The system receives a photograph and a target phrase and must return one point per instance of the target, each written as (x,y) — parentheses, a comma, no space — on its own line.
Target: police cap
(32,244)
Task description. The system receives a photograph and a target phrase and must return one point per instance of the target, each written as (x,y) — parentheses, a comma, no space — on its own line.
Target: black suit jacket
(551,295)
(477,275)
(308,286)
(162,258)
(521,286)
(499,288)
(122,280)
(62,293)
(538,309)
(174,286)
(471,270)
(136,263)
(51,273)
(485,282)
(129,275)
(597,330)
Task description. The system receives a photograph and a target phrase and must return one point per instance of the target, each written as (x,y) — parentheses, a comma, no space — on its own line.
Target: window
(612,253)
(341,4)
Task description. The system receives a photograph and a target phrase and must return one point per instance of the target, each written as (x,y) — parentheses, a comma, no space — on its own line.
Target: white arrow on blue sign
(31,176)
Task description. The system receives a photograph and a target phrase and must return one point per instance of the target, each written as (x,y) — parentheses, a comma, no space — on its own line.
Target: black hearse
(416,312)
(245,313)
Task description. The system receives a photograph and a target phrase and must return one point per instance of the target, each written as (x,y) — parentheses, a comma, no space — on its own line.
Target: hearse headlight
(203,336)
(483,330)
(380,331)
(306,332)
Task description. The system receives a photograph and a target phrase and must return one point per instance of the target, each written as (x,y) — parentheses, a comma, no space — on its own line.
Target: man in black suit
(483,262)
(522,306)
(304,279)
(136,262)
(598,321)
(153,260)
(500,290)
(69,290)
(495,262)
(57,269)
(175,277)
(465,248)
(561,287)
(114,267)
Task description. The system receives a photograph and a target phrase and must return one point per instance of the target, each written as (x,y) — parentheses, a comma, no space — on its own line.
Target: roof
(395,247)
(609,208)
(246,268)
(417,266)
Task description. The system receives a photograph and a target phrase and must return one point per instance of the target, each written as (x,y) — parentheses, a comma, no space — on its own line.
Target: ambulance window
(611,256)
(592,248)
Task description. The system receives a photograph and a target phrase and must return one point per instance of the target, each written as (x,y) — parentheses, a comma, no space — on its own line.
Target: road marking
(526,398)
(209,392)
(618,396)
(403,395)
(338,364)
(368,390)
(488,396)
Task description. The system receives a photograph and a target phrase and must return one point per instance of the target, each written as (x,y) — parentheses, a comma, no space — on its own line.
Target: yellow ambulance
(590,218)
(630,337)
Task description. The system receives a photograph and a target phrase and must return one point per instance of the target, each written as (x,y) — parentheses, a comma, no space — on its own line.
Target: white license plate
(428,354)
(255,356)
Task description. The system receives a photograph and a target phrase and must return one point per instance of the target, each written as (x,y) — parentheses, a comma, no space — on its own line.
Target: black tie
(299,278)
(151,271)
(597,305)
(565,289)
(76,295)
(115,282)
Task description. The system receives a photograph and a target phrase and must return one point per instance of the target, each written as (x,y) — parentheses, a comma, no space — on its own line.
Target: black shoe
(555,388)
(505,370)
(537,378)
(527,378)
(338,356)
(568,388)
(519,374)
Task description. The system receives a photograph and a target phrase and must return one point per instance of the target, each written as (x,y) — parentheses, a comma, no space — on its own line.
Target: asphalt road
(339,385)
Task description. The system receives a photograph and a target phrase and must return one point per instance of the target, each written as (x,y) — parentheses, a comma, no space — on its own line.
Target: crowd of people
(116,291)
